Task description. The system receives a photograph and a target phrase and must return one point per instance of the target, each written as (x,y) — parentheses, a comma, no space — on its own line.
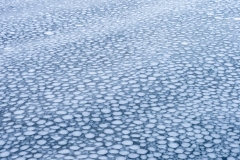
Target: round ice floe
(43,133)
(21,158)
(150,125)
(117,146)
(208,137)
(217,141)
(208,145)
(76,133)
(173,145)
(134,147)
(184,43)
(74,148)
(108,131)
(31,70)
(56,137)
(117,122)
(120,158)
(102,152)
(179,150)
(24,147)
(64,151)
(29,133)
(182,156)
(94,156)
(79,97)
(210,150)
(127,142)
(96,119)
(162,127)
(198,135)
(38,155)
(61,112)
(100,100)
(8,48)
(186,124)
(2,142)
(151,139)
(58,100)
(67,117)
(215,135)
(125,131)
(106,110)
(41,142)
(212,155)
(63,132)
(117,113)
(89,135)
(123,152)
(4,154)
(144,105)
(142,151)
(156,108)
(85,114)
(123,102)
(152,78)
(48,33)
(237,18)
(234,145)
(7,114)
(172,86)
(133,155)
(171,139)
(41,122)
(89,148)
(19,112)
(21,138)
(141,94)
(173,134)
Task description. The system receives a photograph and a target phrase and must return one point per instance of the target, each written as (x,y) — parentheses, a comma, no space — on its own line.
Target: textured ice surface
(119,79)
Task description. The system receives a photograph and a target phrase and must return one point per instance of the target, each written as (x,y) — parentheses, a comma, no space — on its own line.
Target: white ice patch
(4,154)
(237,18)
(49,33)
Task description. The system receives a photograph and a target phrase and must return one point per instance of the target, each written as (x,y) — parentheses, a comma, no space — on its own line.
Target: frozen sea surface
(119,79)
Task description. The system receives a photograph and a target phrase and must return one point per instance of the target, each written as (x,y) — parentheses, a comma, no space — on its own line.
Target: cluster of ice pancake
(119,80)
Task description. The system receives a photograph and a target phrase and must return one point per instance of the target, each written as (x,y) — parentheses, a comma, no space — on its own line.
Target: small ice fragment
(184,43)
(90,135)
(127,142)
(212,155)
(56,137)
(108,131)
(182,156)
(29,133)
(76,133)
(64,151)
(4,154)
(49,33)
(171,139)
(102,152)
(67,117)
(237,18)
(173,145)
(2,142)
(41,142)
(19,112)
(142,151)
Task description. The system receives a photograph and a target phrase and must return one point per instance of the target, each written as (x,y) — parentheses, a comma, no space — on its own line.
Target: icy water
(119,79)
